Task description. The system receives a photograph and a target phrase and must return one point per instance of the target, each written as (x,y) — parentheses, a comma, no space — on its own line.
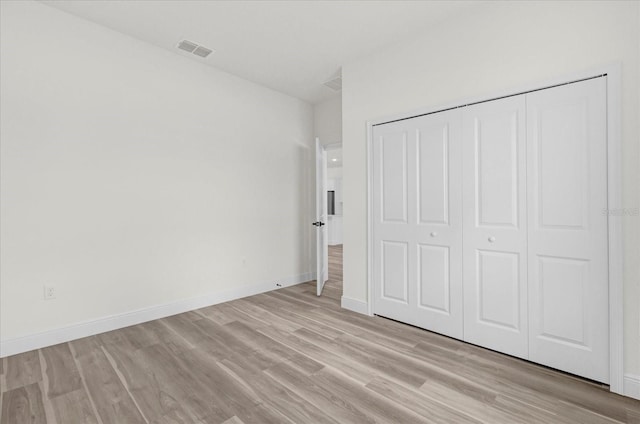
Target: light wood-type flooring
(289,356)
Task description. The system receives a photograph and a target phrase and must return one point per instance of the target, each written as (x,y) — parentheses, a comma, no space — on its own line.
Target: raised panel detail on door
(433,174)
(394,177)
(562,285)
(495,241)
(567,192)
(434,282)
(560,143)
(394,271)
(496,165)
(499,289)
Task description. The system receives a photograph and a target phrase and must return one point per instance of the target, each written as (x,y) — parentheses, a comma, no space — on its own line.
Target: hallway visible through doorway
(333,287)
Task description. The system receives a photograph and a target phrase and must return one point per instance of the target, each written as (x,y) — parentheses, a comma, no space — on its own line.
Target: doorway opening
(334,217)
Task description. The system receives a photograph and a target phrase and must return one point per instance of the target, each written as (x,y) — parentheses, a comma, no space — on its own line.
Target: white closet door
(567,195)
(391,228)
(438,229)
(418,223)
(495,226)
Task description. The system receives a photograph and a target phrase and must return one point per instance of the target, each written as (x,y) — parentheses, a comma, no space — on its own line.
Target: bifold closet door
(417,222)
(567,196)
(495,225)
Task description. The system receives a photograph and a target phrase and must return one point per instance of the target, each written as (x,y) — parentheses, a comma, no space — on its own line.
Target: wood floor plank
(303,298)
(257,342)
(304,364)
(379,408)
(222,389)
(176,417)
(382,362)
(468,405)
(266,315)
(276,396)
(423,370)
(216,314)
(633,415)
(170,339)
(3,377)
(428,408)
(300,318)
(176,381)
(234,344)
(61,369)
(225,313)
(157,402)
(202,334)
(113,402)
(323,356)
(23,405)
(470,374)
(337,407)
(391,335)
(533,381)
(289,356)
(233,420)
(262,414)
(23,369)
(228,345)
(139,337)
(73,407)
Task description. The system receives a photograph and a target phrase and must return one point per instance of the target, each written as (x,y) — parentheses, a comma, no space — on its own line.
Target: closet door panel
(494,253)
(434,284)
(418,247)
(393,176)
(495,142)
(394,266)
(433,146)
(498,289)
(438,228)
(567,193)
(393,235)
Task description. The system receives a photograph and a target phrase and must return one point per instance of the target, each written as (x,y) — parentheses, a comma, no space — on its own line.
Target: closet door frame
(612,73)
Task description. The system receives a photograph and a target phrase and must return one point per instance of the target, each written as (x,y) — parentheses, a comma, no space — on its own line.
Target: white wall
(133,177)
(328,120)
(334,172)
(495,47)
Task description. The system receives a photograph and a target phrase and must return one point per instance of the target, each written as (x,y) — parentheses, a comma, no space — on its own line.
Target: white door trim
(614,201)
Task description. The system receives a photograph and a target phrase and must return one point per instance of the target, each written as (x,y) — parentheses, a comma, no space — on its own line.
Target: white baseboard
(89,328)
(632,386)
(354,305)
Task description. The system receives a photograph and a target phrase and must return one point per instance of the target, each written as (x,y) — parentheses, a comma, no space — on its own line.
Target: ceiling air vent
(202,51)
(334,83)
(191,47)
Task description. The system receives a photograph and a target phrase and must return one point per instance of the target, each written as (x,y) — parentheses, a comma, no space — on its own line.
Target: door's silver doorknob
(492,239)
(433,234)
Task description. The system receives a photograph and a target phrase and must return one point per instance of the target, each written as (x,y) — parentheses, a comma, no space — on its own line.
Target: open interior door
(322,266)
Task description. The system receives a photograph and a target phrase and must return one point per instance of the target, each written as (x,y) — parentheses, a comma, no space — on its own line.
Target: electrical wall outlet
(49,292)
